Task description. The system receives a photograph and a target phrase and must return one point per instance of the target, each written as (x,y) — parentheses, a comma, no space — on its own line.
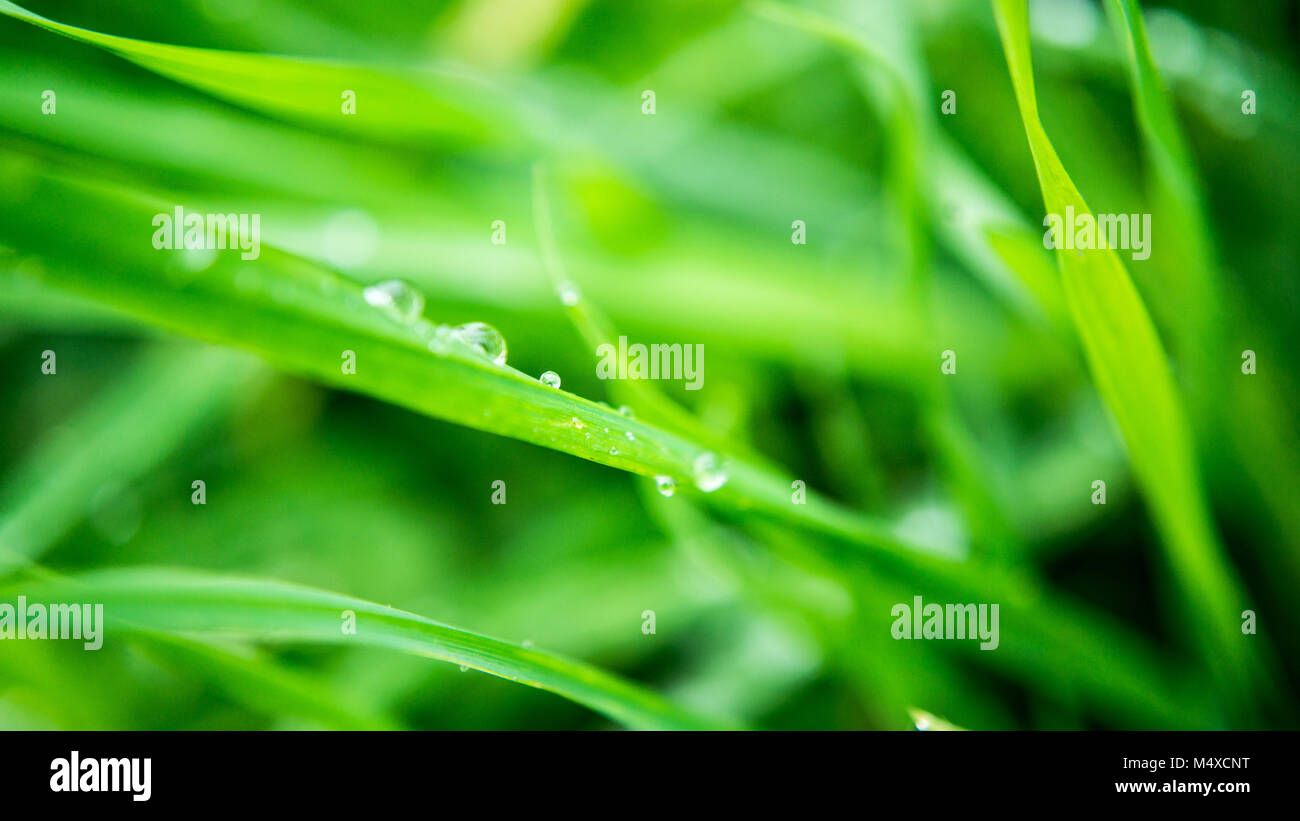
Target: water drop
(550,379)
(483,338)
(631,437)
(464,668)
(666,485)
(528,644)
(613,451)
(709,473)
(625,410)
(425,329)
(399,298)
(569,293)
(576,423)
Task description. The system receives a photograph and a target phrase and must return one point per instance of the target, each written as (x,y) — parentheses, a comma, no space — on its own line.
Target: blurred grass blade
(1192,288)
(1190,299)
(1133,377)
(975,220)
(258,682)
(928,721)
(190,603)
(390,102)
(164,398)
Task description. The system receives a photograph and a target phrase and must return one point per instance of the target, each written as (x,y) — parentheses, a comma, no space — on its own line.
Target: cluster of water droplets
(708,473)
(405,304)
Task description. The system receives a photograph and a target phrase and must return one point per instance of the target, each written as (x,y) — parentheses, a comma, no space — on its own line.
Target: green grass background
(372,491)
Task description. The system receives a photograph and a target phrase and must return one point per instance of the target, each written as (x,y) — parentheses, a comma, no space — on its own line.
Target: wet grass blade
(311,321)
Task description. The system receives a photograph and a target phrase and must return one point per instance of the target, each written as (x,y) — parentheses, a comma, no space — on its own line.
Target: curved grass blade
(390,102)
(188,603)
(1133,377)
(1193,290)
(260,684)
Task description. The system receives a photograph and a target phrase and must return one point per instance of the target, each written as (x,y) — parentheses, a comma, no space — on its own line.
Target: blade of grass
(391,102)
(1129,368)
(303,319)
(1193,289)
(190,603)
(972,217)
(259,683)
(894,79)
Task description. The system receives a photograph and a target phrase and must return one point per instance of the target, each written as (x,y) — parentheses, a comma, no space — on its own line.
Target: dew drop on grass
(666,485)
(569,293)
(576,423)
(483,338)
(424,328)
(464,668)
(709,473)
(613,451)
(401,299)
(631,437)
(550,379)
(625,410)
(528,644)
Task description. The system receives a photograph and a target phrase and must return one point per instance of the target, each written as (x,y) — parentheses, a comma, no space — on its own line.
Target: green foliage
(772,607)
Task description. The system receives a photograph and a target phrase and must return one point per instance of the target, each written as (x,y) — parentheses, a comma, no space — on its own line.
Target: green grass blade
(1132,375)
(198,604)
(260,684)
(302,318)
(1192,290)
(971,216)
(391,103)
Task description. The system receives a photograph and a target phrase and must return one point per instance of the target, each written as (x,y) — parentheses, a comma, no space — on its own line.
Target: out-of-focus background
(674,213)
